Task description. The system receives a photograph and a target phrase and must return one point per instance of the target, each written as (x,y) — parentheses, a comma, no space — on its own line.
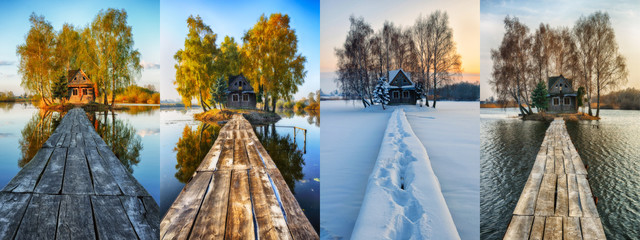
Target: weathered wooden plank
(592,228)
(51,180)
(577,162)
(210,161)
(27,178)
(268,214)
(527,201)
(568,163)
(67,139)
(240,158)
(178,221)
(52,140)
(103,182)
(225,161)
(111,218)
(562,198)
(76,176)
(553,228)
(75,220)
(571,228)
(299,225)
(559,160)
(12,208)
(546,197)
(240,215)
(254,159)
(537,231)
(550,165)
(575,210)
(586,198)
(88,138)
(143,214)
(127,183)
(41,218)
(266,158)
(519,228)
(211,220)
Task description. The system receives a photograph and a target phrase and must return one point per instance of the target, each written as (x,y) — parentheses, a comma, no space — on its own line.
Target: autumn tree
(37,59)
(446,60)
(271,58)
(68,41)
(194,63)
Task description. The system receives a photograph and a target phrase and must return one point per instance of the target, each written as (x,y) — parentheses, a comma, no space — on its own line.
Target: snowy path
(403,198)
(349,147)
(451,136)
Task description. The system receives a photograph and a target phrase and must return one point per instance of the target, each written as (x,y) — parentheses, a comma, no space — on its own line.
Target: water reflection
(284,152)
(35,133)
(313,117)
(192,147)
(119,135)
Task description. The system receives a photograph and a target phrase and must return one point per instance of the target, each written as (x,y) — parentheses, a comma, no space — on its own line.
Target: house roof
(394,73)
(233,78)
(552,80)
(71,77)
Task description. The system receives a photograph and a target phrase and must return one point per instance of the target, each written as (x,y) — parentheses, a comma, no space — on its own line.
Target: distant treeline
(462,91)
(628,99)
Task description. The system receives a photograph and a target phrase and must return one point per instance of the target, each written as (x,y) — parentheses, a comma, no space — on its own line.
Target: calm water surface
(186,141)
(610,148)
(133,136)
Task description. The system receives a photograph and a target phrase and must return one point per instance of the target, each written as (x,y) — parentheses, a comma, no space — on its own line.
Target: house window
(567,101)
(84,91)
(234,97)
(396,94)
(405,94)
(245,97)
(556,101)
(75,91)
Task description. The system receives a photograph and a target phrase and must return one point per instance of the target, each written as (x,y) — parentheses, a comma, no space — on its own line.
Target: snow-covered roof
(394,73)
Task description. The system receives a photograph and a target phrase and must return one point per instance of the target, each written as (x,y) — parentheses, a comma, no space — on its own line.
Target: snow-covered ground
(350,143)
(403,199)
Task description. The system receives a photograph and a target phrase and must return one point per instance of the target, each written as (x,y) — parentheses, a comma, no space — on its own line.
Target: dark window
(567,101)
(234,97)
(245,97)
(84,91)
(405,94)
(75,91)
(396,94)
(556,101)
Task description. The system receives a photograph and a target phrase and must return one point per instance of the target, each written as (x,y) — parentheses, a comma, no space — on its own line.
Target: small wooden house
(401,89)
(81,88)
(240,94)
(562,97)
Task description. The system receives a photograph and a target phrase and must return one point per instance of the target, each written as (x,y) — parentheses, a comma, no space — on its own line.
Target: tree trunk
(273,104)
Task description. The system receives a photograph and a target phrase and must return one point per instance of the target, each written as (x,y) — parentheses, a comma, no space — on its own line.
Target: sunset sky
(624,18)
(334,24)
(234,18)
(143,16)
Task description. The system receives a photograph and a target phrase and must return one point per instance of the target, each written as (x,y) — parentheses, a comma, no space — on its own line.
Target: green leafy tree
(68,41)
(271,58)
(219,93)
(194,67)
(37,58)
(539,97)
(60,89)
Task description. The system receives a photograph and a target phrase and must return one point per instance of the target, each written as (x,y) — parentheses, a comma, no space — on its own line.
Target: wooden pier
(76,188)
(237,192)
(556,202)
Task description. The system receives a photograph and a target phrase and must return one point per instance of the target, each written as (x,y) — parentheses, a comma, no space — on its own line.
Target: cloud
(5,63)
(148,132)
(149,65)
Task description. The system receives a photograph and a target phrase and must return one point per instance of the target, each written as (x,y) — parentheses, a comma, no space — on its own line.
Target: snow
(403,198)
(350,144)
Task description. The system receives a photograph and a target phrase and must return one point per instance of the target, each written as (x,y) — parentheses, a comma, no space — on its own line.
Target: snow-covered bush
(381,92)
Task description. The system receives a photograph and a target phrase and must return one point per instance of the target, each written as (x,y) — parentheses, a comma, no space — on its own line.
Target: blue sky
(143,16)
(625,16)
(234,18)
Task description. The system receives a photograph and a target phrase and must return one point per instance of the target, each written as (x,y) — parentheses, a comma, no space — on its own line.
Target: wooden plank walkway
(76,188)
(556,201)
(237,192)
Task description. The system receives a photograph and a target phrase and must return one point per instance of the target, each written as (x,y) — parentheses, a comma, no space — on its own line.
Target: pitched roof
(71,74)
(552,80)
(393,73)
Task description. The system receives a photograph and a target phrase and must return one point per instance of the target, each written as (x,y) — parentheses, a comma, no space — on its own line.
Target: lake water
(133,135)
(609,147)
(186,141)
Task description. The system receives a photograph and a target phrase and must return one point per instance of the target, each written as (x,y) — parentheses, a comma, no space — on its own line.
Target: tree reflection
(35,133)
(284,152)
(192,147)
(120,136)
